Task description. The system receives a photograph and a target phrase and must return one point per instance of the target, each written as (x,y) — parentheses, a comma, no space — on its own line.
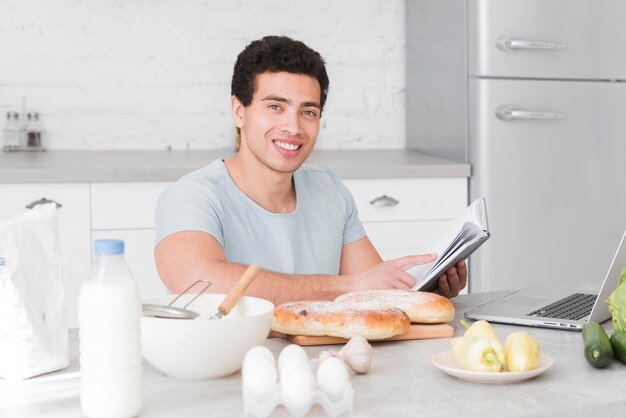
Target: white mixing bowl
(202,348)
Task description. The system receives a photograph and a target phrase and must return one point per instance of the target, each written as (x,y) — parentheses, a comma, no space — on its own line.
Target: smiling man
(264,206)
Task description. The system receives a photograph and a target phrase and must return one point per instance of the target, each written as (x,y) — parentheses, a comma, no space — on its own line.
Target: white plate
(447,363)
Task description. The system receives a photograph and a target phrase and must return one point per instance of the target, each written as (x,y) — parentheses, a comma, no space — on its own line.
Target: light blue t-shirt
(306,241)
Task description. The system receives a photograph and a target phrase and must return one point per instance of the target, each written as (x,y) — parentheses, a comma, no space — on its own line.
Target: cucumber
(598,350)
(618,342)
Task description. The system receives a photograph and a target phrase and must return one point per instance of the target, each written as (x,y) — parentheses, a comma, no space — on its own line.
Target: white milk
(109,311)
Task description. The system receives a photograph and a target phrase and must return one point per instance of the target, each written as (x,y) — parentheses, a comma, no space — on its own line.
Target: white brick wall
(153,74)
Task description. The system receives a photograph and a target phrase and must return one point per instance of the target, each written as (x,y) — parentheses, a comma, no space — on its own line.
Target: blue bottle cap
(108,246)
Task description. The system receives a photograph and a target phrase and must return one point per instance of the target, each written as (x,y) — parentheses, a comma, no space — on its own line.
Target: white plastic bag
(33,330)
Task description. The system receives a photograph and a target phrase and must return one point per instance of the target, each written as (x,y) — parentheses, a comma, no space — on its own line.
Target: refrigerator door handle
(507,114)
(507,43)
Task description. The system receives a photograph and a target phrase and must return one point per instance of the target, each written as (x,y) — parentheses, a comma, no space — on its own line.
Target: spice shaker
(11,132)
(33,131)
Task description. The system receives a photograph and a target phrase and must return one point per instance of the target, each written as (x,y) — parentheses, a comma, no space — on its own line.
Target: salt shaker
(33,131)
(11,132)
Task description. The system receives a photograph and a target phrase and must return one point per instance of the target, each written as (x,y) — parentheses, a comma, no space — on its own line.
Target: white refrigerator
(532,94)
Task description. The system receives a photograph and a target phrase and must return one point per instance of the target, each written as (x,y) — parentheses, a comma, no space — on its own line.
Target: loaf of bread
(338,319)
(421,307)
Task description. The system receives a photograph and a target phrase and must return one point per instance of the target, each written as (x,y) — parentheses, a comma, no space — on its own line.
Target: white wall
(153,74)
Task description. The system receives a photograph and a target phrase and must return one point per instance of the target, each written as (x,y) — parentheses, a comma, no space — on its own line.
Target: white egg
(258,351)
(292,353)
(297,384)
(259,376)
(333,377)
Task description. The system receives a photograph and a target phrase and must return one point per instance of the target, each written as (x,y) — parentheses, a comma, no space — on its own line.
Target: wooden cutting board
(415,332)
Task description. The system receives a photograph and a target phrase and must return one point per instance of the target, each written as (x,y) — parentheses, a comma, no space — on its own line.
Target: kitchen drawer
(124,205)
(139,254)
(407,237)
(590,32)
(418,199)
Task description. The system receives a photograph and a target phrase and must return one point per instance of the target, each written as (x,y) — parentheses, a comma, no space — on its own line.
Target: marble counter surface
(138,166)
(402,383)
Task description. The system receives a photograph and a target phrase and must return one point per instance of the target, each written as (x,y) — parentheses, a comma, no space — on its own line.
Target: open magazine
(460,239)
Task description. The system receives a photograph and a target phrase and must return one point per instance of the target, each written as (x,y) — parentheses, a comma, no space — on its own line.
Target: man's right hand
(388,274)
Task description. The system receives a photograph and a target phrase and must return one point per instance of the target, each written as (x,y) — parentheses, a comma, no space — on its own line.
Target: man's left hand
(453,281)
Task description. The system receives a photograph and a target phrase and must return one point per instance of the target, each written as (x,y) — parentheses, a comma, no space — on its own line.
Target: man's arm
(361,255)
(184,257)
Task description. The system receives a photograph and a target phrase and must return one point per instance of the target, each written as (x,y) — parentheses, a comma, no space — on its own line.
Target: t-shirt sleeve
(188,206)
(353,228)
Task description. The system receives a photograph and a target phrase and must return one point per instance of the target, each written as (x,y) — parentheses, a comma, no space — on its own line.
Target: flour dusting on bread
(421,307)
(338,319)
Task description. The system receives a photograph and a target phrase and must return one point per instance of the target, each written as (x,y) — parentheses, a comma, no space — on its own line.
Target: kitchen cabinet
(401,216)
(96,211)
(74,229)
(424,206)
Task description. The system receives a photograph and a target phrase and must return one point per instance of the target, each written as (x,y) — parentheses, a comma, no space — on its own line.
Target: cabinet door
(574,39)
(397,239)
(74,229)
(139,254)
(124,205)
(126,211)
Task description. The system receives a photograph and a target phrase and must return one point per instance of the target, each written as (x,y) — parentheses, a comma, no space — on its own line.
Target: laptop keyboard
(574,306)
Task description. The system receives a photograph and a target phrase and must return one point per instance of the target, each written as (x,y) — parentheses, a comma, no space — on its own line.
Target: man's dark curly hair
(275,54)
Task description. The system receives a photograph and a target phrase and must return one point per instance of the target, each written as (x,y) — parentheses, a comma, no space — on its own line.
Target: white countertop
(401,383)
(139,166)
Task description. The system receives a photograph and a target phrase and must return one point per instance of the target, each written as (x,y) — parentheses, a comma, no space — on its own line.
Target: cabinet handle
(384,201)
(506,43)
(507,114)
(42,201)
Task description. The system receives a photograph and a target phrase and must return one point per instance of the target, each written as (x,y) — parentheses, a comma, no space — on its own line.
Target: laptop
(554,307)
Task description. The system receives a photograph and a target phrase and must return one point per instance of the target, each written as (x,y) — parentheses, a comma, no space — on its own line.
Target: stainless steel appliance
(532,94)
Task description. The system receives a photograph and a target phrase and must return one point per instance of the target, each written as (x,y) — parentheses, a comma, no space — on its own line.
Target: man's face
(281,124)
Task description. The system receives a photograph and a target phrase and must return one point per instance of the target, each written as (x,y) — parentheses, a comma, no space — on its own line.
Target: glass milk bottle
(109,311)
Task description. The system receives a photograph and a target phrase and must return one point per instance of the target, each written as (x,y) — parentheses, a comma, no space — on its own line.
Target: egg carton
(260,408)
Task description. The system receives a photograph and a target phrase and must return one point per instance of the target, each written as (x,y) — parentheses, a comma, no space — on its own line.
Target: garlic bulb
(357,354)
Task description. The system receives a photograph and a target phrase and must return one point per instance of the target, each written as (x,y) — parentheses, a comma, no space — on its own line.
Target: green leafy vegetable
(622,278)
(617,303)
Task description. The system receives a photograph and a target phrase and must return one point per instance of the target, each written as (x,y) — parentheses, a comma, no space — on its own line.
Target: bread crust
(421,307)
(336,319)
